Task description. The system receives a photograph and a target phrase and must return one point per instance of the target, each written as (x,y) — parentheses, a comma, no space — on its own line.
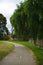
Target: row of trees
(3,29)
(27,20)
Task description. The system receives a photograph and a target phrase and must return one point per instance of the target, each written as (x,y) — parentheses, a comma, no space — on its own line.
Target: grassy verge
(37,51)
(5,48)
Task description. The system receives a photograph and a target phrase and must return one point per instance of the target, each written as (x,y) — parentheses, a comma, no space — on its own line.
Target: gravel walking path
(19,56)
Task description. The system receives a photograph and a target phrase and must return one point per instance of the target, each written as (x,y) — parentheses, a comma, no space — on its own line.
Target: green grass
(5,49)
(37,51)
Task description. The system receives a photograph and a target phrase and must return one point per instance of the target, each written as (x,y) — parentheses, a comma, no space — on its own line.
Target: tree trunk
(40,43)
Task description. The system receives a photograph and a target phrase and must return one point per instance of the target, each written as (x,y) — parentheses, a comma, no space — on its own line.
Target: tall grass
(5,48)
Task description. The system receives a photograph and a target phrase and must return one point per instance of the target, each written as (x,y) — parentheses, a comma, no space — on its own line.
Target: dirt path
(19,56)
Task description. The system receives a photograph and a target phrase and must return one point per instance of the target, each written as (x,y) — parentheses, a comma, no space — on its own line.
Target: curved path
(19,56)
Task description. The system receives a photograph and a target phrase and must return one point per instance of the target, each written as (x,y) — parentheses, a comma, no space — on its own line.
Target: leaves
(27,19)
(2,26)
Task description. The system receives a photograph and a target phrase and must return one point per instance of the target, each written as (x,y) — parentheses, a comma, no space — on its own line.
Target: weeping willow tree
(27,20)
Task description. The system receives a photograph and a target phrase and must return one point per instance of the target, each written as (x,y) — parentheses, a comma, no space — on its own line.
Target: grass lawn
(5,48)
(37,51)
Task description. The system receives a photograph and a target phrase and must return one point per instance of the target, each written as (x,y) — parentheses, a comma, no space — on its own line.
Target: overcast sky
(7,7)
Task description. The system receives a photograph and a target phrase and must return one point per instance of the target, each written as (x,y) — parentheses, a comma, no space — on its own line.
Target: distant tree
(3,27)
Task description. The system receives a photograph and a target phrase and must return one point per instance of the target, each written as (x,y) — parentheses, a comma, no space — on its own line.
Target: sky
(7,7)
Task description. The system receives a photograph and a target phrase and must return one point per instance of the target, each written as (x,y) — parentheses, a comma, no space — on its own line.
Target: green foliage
(40,32)
(3,28)
(27,20)
(35,9)
(20,23)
